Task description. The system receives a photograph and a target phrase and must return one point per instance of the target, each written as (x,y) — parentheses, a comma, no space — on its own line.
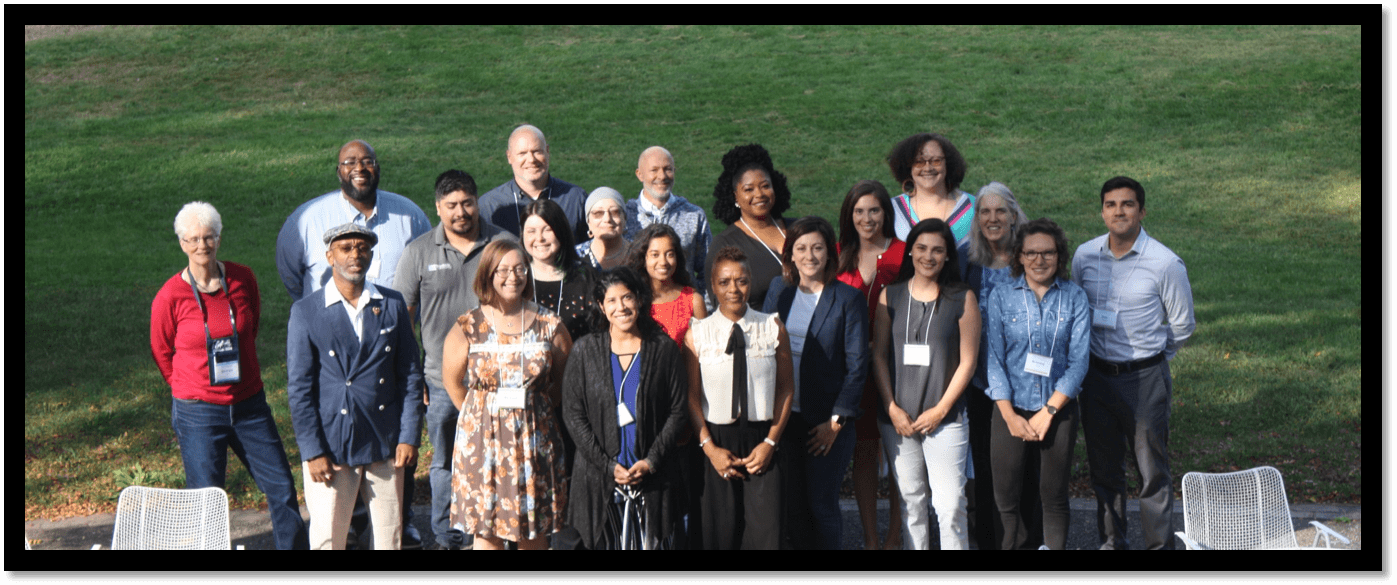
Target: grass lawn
(1245,138)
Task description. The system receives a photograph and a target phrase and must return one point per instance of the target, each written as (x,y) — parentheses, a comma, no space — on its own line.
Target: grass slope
(1246,138)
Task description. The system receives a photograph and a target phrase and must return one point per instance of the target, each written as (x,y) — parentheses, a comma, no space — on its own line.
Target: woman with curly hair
(929,169)
(750,197)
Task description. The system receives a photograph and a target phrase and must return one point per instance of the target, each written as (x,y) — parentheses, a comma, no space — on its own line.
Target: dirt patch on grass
(34,32)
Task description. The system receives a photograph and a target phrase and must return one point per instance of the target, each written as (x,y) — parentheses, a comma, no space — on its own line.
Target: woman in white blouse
(738,425)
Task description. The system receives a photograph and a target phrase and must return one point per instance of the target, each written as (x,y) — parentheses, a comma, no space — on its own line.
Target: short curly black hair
(737,161)
(904,153)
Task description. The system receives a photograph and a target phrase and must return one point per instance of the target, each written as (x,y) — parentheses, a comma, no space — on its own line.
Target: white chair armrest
(1189,543)
(1321,529)
(96,547)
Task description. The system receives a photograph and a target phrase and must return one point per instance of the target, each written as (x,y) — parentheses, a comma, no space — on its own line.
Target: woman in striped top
(930,170)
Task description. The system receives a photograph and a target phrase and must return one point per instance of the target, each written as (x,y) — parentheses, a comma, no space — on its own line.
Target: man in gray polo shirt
(435,276)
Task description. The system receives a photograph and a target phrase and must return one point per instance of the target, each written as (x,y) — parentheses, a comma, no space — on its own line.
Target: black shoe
(412,539)
(351,540)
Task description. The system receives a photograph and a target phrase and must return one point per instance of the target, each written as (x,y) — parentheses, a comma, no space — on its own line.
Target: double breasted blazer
(352,401)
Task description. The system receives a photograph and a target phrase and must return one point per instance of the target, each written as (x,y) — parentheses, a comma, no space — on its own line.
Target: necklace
(759,240)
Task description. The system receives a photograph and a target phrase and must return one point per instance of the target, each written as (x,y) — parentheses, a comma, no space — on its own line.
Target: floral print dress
(508,477)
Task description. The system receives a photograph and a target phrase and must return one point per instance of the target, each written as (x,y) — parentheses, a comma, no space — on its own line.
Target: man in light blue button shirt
(396,220)
(1142,313)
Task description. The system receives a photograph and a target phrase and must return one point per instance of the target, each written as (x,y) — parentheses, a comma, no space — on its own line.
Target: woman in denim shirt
(1039,336)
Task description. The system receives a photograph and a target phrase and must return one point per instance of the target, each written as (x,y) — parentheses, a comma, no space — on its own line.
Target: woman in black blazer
(628,363)
(827,321)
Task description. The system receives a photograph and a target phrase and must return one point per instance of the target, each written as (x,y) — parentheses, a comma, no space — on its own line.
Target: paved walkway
(253,529)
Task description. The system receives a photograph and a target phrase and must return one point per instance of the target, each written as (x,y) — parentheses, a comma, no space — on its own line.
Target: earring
(589,234)
(734,204)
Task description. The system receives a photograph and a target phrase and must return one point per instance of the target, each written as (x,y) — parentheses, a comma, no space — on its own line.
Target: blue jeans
(814,520)
(441,431)
(206,432)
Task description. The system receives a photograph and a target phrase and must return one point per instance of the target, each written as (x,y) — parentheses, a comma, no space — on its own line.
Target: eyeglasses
(369,163)
(348,248)
(208,240)
(599,214)
(935,161)
(1048,255)
(519,271)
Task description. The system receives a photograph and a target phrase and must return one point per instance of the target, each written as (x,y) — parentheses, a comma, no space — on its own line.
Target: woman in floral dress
(502,367)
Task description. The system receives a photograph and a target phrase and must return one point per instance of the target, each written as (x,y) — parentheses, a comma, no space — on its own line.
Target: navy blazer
(353,402)
(834,362)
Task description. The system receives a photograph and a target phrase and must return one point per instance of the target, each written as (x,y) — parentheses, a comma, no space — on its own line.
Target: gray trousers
(1123,414)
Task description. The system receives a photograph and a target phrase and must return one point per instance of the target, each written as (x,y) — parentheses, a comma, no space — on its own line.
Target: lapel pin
(375,311)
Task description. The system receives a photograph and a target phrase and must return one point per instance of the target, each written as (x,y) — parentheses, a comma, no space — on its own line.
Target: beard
(368,195)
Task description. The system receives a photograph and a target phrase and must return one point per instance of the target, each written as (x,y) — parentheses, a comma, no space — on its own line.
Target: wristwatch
(1051,411)
(838,419)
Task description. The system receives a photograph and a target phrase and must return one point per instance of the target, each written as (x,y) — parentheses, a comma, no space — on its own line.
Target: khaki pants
(332,504)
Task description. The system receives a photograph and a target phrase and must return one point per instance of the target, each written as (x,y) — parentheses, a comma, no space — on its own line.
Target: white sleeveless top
(762,334)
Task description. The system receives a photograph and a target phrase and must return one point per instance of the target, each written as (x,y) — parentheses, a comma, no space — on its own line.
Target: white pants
(332,504)
(931,465)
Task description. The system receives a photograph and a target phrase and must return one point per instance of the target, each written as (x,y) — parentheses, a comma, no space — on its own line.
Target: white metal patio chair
(633,533)
(1241,510)
(149,518)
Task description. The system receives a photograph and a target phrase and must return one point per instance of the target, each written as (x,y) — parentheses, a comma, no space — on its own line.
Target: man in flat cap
(354,382)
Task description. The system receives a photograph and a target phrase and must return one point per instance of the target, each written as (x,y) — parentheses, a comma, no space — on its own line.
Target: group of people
(589,355)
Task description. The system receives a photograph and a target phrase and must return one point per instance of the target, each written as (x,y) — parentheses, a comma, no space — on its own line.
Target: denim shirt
(1017,321)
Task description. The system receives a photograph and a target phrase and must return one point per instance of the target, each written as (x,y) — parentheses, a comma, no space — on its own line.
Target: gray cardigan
(589,411)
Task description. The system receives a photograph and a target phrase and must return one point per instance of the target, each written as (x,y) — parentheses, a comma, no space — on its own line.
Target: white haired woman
(203,336)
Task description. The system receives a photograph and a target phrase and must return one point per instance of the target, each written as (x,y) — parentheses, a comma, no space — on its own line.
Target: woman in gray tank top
(926,337)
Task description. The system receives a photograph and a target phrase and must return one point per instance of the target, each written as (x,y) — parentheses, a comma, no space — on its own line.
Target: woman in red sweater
(208,314)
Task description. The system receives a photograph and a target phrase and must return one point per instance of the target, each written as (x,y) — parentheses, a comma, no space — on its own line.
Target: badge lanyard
(509,397)
(1102,317)
(917,354)
(759,240)
(223,352)
(1034,363)
(623,414)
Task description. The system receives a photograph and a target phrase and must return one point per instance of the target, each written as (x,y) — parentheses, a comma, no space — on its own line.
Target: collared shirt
(1017,323)
(356,312)
(687,219)
(1149,291)
(438,281)
(300,247)
(503,205)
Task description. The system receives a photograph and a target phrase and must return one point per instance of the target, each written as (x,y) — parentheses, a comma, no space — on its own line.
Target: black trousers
(1120,415)
(741,514)
(1018,462)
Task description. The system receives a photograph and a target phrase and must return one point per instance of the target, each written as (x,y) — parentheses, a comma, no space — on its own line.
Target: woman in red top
(209,312)
(869,259)
(656,252)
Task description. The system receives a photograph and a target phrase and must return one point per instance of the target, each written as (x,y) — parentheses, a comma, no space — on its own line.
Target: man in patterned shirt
(657,203)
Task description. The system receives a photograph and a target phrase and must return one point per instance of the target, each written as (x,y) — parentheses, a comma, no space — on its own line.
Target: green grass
(1246,139)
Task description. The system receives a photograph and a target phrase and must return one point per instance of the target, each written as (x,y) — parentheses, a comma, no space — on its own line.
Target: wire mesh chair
(150,518)
(1241,510)
(629,529)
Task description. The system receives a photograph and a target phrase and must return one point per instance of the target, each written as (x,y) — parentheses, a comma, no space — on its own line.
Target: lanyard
(559,307)
(223,282)
(499,333)
(759,240)
(1101,259)
(932,313)
(1053,346)
(620,388)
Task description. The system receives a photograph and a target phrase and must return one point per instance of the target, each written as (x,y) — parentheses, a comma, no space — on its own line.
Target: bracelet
(705,441)
(768,441)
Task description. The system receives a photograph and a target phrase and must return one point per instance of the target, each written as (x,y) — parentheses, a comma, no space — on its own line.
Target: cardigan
(589,411)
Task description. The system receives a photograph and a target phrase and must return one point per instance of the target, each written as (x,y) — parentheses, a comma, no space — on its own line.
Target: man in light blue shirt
(396,220)
(657,203)
(1142,313)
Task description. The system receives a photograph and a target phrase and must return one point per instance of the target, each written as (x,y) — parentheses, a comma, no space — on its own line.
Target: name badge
(374,266)
(1103,318)
(509,398)
(223,361)
(623,415)
(1037,364)
(916,355)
